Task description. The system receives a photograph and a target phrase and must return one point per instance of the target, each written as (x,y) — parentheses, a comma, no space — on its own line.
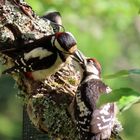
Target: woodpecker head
(66,44)
(55,18)
(93,66)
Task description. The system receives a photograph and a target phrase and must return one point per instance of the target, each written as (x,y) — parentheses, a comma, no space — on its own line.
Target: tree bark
(46,102)
(47,111)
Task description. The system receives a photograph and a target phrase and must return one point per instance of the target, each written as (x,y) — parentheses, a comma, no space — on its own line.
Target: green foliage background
(106,29)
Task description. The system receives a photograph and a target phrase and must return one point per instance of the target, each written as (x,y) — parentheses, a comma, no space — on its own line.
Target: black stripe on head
(66,40)
(62,56)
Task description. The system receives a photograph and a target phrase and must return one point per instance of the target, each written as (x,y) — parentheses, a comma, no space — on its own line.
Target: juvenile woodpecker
(43,57)
(93,123)
(56,21)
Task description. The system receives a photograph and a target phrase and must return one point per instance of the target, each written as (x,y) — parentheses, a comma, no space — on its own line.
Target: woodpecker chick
(55,18)
(93,123)
(43,57)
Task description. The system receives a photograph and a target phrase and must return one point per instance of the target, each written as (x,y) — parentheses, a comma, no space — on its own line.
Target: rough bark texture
(46,102)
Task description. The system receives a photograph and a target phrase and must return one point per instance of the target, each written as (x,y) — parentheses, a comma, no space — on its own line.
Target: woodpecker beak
(79,57)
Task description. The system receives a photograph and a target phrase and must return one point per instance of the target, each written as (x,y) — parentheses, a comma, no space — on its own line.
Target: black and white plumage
(55,20)
(43,57)
(93,123)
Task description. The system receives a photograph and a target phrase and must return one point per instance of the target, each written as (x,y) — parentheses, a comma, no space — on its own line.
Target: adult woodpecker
(43,57)
(93,123)
(55,18)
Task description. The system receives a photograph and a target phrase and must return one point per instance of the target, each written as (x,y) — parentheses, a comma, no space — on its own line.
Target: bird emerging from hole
(55,20)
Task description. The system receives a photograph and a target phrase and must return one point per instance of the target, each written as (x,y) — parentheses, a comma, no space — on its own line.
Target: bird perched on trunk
(55,20)
(42,57)
(93,123)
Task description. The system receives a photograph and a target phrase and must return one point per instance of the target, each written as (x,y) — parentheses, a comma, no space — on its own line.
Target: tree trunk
(46,103)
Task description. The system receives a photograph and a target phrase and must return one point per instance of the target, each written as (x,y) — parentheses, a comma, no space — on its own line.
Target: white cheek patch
(57,45)
(52,40)
(95,70)
(92,69)
(38,52)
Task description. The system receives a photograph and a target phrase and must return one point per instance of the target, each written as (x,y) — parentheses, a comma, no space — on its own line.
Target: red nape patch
(29,75)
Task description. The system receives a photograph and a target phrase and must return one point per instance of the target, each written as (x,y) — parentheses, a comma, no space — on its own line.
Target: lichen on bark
(46,101)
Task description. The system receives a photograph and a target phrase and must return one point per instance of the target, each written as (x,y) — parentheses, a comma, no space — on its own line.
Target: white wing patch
(102,119)
(38,52)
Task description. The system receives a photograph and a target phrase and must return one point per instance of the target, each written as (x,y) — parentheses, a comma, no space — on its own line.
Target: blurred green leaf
(117,74)
(125,98)
(126,102)
(7,128)
(122,73)
(134,71)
